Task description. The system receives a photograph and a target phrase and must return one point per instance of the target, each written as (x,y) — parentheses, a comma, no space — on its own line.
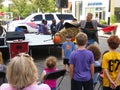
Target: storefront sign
(95,3)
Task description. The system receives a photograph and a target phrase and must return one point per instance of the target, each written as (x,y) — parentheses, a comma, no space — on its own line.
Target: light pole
(109,10)
(9,7)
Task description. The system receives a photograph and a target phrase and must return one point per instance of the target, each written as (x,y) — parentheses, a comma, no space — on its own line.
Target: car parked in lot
(32,22)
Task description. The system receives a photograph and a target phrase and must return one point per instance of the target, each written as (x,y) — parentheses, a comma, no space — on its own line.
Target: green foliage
(1,4)
(18,7)
(103,21)
(25,7)
(45,5)
(113,19)
(4,9)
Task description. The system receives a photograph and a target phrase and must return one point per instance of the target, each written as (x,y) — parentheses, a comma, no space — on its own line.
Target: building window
(78,9)
(117,14)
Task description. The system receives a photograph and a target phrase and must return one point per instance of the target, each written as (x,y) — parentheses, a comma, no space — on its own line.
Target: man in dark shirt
(53,27)
(60,25)
(89,27)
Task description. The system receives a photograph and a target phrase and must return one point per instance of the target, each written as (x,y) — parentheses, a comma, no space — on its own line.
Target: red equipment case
(18,47)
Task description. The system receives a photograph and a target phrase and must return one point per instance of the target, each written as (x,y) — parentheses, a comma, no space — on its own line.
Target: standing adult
(89,27)
(60,25)
(53,27)
(44,27)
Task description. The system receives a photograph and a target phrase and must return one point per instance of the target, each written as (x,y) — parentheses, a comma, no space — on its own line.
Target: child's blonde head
(21,71)
(51,62)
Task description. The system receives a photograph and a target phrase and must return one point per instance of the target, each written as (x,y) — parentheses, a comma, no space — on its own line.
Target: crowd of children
(21,71)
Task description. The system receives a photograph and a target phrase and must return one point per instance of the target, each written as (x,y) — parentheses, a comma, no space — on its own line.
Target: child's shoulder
(66,43)
(87,51)
(6,86)
(81,51)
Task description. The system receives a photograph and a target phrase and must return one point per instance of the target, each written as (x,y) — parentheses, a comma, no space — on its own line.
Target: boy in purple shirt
(81,65)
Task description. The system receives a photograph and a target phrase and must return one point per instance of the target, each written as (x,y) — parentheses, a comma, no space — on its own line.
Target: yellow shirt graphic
(111,62)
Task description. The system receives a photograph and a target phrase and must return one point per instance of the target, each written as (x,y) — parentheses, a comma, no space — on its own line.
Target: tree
(19,7)
(113,19)
(44,5)
(26,7)
(1,4)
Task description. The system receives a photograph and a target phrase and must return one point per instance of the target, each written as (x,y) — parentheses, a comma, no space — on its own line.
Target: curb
(105,35)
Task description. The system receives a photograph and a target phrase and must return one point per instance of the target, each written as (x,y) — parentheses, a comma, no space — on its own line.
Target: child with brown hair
(81,65)
(96,51)
(111,65)
(97,55)
(50,66)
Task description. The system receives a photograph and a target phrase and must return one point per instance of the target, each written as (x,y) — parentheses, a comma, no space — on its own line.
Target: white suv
(30,23)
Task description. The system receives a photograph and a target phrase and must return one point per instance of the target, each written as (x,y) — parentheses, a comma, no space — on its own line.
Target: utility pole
(109,10)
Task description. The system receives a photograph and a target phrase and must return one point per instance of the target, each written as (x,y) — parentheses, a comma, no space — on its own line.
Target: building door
(98,15)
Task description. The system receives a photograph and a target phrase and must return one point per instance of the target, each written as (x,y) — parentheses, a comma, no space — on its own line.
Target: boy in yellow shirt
(111,65)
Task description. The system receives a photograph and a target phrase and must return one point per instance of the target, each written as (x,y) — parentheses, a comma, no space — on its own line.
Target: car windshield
(49,17)
(65,16)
